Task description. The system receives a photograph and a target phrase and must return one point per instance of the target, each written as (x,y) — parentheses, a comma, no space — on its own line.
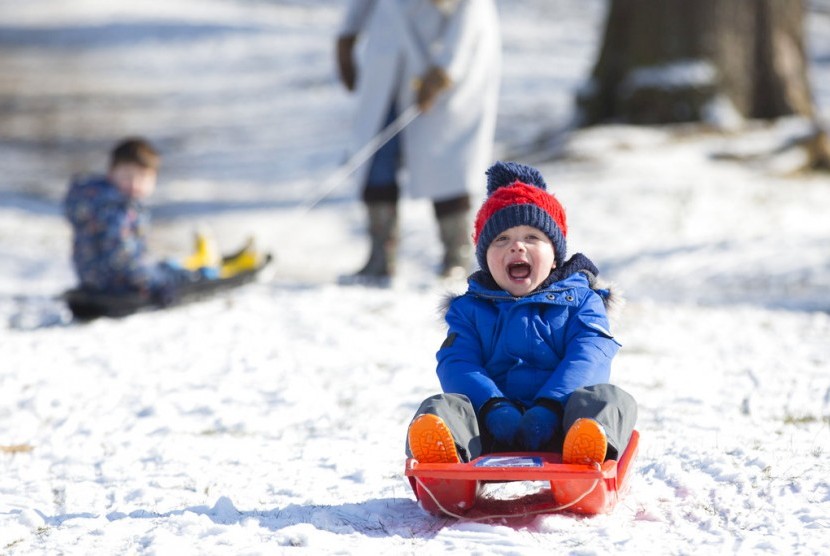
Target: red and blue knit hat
(517,195)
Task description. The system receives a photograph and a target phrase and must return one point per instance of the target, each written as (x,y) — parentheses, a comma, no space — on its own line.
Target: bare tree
(669,61)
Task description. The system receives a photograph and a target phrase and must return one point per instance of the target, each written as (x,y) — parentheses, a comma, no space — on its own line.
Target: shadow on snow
(113,34)
(377,518)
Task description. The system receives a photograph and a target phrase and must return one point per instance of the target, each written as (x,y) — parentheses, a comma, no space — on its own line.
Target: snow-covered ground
(274,416)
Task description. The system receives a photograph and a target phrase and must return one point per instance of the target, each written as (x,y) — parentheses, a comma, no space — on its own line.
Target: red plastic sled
(452,489)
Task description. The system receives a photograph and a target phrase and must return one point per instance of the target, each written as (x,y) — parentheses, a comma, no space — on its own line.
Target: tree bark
(669,61)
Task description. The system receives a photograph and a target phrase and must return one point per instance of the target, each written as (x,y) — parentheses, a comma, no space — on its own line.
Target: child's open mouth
(518,271)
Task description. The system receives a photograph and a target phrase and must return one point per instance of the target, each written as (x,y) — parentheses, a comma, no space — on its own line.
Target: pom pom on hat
(517,195)
(502,174)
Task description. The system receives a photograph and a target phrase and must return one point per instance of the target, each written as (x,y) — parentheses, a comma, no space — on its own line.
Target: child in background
(109,223)
(527,357)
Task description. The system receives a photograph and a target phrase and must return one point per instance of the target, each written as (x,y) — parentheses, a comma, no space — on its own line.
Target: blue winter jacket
(109,249)
(544,345)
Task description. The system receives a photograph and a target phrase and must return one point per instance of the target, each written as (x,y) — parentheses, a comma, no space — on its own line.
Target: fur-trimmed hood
(482,283)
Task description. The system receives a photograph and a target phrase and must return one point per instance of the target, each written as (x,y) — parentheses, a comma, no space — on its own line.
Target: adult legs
(380,195)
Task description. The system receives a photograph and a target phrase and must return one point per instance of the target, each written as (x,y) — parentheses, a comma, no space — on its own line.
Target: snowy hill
(274,416)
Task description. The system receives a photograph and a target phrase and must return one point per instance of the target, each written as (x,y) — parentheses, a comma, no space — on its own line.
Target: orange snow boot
(430,440)
(585,443)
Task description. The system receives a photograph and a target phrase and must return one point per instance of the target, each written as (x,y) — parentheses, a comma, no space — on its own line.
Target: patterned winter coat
(109,249)
(543,345)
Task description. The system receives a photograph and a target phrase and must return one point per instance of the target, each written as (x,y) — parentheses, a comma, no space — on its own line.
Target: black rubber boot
(383,233)
(454,228)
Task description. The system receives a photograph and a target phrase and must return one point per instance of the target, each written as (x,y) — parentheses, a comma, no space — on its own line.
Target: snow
(274,416)
(680,74)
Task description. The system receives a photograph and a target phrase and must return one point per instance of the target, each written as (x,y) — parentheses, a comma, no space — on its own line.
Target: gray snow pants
(611,406)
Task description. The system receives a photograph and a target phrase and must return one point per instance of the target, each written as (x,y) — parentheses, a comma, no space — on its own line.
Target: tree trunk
(669,61)
(818,151)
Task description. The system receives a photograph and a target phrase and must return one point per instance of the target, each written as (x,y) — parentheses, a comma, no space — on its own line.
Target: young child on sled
(109,224)
(527,357)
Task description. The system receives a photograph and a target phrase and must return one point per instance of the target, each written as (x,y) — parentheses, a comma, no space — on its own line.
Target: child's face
(133,180)
(520,259)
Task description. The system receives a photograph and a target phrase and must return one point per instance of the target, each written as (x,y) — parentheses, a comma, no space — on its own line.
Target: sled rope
(360,157)
(551,509)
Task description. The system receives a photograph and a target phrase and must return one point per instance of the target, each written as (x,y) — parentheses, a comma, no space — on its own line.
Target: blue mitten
(537,427)
(502,420)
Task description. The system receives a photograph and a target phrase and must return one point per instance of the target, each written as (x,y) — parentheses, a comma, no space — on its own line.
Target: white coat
(447,149)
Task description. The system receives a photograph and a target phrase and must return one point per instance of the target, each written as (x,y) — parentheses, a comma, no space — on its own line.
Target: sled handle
(359,158)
